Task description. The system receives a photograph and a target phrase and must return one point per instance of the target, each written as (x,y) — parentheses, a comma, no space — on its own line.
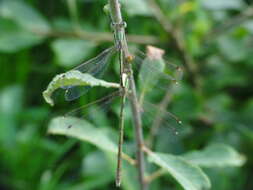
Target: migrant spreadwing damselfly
(152,72)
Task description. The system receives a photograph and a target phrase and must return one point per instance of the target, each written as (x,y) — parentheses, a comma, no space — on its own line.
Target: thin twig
(73,11)
(98,37)
(155,175)
(128,159)
(120,31)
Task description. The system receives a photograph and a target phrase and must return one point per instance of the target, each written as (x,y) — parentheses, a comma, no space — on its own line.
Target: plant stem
(138,132)
(120,31)
(97,37)
(72,6)
(155,175)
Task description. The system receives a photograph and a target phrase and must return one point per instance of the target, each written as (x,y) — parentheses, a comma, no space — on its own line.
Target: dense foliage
(210,39)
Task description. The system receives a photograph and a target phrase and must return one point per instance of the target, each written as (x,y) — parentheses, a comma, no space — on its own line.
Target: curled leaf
(74,78)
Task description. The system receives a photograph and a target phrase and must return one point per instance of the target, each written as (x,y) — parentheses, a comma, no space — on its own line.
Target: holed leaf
(74,78)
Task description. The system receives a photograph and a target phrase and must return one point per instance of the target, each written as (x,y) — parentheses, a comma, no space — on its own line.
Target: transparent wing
(162,124)
(95,66)
(160,117)
(94,111)
(74,92)
(155,72)
(157,81)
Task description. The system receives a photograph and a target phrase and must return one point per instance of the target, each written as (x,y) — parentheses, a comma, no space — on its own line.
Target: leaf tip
(47,98)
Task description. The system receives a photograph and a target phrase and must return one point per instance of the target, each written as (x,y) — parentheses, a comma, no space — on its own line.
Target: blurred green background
(211,39)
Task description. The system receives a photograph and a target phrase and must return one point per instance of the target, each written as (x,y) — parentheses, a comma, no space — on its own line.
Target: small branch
(146,149)
(155,175)
(129,159)
(98,37)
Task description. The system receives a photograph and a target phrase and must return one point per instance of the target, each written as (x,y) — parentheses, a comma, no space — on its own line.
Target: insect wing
(156,116)
(96,67)
(154,70)
(95,109)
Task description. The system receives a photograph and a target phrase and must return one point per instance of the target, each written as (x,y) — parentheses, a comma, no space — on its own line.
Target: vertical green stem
(72,6)
(120,31)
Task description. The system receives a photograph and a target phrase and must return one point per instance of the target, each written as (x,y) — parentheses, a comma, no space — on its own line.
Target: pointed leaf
(74,78)
(149,79)
(188,175)
(82,130)
(216,155)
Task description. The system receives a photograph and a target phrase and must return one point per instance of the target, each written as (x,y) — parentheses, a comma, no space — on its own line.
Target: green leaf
(11,97)
(216,155)
(24,15)
(139,7)
(191,177)
(13,38)
(74,78)
(223,4)
(148,81)
(82,130)
(232,49)
(11,100)
(70,52)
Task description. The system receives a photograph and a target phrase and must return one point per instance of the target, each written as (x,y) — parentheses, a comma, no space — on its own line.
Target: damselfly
(152,72)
